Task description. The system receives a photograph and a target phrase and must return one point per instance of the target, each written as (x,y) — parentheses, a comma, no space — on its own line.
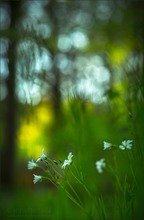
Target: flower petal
(107,145)
(100,164)
(121,147)
(37,178)
(42,157)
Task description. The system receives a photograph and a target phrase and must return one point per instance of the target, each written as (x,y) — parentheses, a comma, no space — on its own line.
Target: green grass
(40,203)
(115,194)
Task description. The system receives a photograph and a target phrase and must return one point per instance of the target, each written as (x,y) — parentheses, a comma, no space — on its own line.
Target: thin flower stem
(50,180)
(76,169)
(82,183)
(116,176)
(74,192)
(50,163)
(131,158)
(74,200)
(71,197)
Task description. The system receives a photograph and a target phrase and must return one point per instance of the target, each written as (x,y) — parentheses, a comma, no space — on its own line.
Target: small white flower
(107,145)
(37,179)
(67,162)
(31,165)
(42,157)
(100,164)
(70,157)
(126,144)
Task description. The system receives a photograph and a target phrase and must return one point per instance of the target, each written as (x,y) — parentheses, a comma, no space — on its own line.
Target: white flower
(126,144)
(67,162)
(100,164)
(70,157)
(107,145)
(42,157)
(37,179)
(31,165)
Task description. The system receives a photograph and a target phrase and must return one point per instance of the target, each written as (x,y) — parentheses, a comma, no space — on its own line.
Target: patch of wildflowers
(42,157)
(126,144)
(37,179)
(107,145)
(67,162)
(31,165)
(100,164)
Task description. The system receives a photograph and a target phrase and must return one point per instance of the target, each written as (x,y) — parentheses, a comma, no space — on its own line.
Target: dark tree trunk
(8,151)
(56,93)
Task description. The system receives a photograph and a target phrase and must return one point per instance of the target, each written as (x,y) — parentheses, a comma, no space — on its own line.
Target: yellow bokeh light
(31,136)
(28,132)
(44,115)
(119,54)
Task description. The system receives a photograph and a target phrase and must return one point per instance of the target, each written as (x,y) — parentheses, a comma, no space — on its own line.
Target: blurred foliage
(78,82)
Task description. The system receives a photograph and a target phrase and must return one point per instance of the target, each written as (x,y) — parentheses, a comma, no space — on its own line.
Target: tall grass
(80,191)
(117,192)
(112,194)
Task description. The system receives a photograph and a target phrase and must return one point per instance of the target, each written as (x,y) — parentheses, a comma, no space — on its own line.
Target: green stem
(82,183)
(71,197)
(116,172)
(51,178)
(51,164)
(74,192)
(76,202)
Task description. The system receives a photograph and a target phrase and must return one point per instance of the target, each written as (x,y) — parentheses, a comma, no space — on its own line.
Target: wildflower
(37,178)
(42,157)
(67,162)
(100,164)
(31,165)
(126,144)
(70,157)
(107,145)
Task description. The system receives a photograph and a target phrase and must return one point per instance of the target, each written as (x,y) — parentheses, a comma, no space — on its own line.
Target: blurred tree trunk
(8,151)
(56,93)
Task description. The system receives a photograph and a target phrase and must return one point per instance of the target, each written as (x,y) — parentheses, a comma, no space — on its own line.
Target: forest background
(71,77)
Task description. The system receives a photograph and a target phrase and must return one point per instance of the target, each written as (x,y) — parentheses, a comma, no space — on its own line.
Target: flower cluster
(32,165)
(125,144)
(100,164)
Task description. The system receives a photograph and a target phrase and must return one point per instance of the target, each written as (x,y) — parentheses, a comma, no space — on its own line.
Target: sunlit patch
(27,137)
(31,135)
(119,54)
(28,132)
(44,115)
(32,150)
